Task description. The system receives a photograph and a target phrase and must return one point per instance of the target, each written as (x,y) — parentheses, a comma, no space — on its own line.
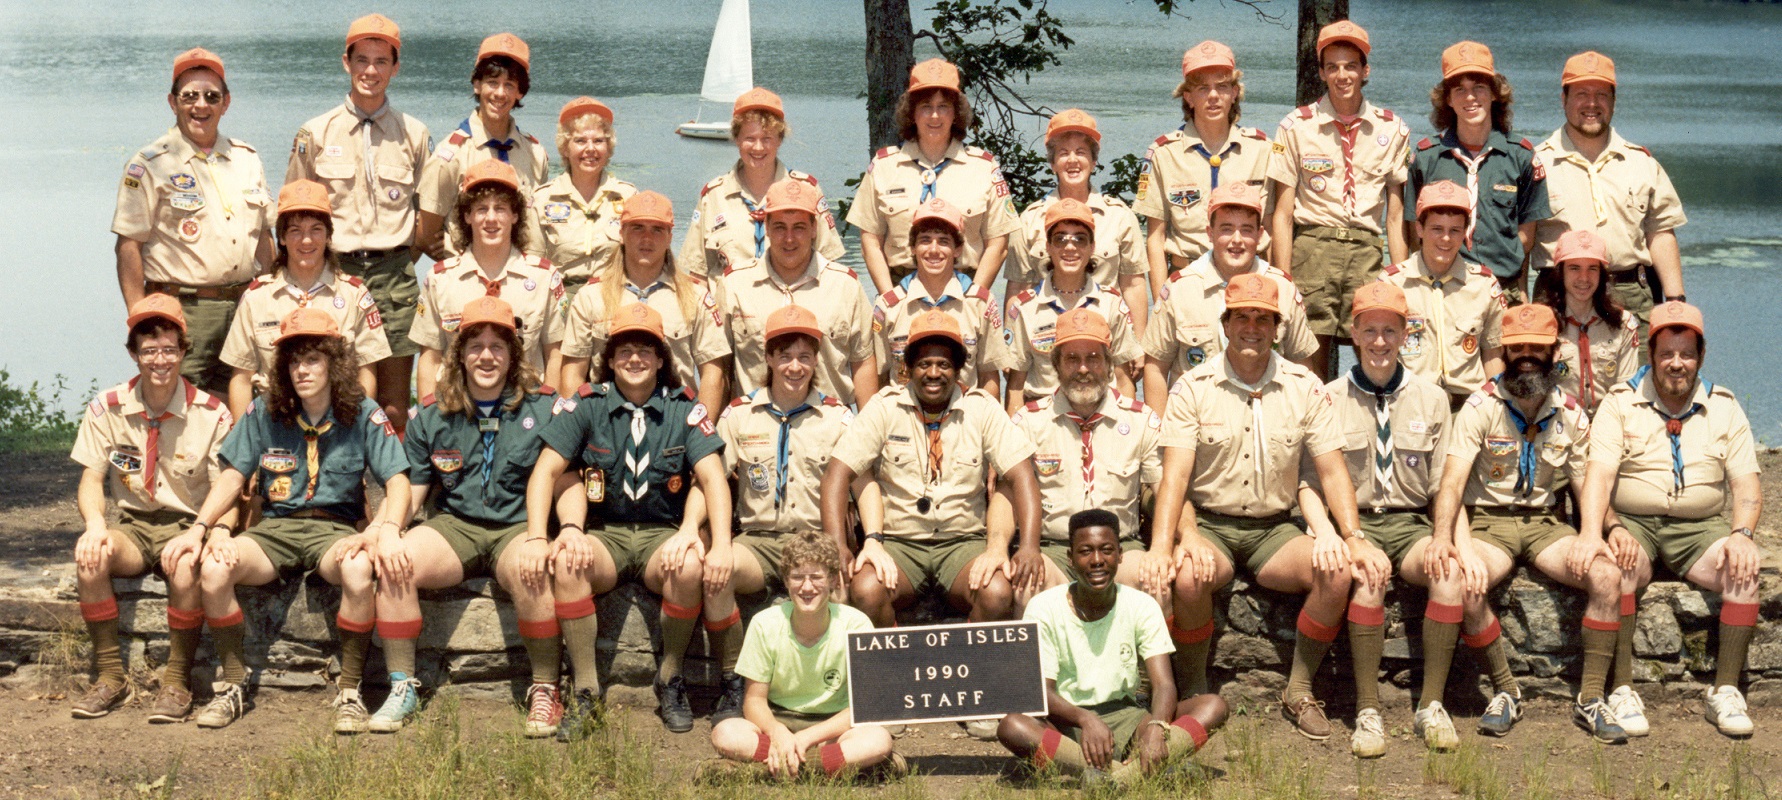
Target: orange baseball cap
(374,26)
(506,44)
(1380,296)
(1581,245)
(1464,58)
(792,319)
(1209,54)
(1070,210)
(306,322)
(935,73)
(941,210)
(758,99)
(1677,314)
(931,323)
(1588,66)
(636,317)
(152,306)
(1072,120)
(1236,193)
(1530,323)
(1343,31)
(1444,194)
(1250,290)
(791,194)
(303,195)
(195,58)
(1082,324)
(648,206)
(490,310)
(580,106)
(493,170)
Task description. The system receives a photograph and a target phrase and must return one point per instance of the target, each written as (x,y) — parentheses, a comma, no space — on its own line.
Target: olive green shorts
(796,721)
(207,325)
(1123,718)
(477,545)
(1058,552)
(933,565)
(631,545)
(1521,533)
(1395,532)
(391,281)
(1245,540)
(769,548)
(295,546)
(150,531)
(1679,543)
(1329,264)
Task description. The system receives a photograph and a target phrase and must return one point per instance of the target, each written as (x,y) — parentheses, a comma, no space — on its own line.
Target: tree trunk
(1313,16)
(890,52)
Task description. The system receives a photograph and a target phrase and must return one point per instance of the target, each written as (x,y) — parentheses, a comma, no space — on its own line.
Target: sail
(729,69)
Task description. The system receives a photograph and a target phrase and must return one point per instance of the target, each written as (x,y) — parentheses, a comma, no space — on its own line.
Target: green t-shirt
(808,680)
(1101,661)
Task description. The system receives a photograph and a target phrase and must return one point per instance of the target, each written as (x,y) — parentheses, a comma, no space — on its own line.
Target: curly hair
(774,124)
(1549,290)
(586,122)
(665,376)
(1199,79)
(1443,117)
(501,67)
(1094,148)
(343,379)
(963,119)
(467,200)
(454,387)
(813,549)
(283,259)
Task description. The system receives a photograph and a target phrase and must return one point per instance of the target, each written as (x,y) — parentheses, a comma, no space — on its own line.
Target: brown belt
(316,513)
(231,292)
(1634,274)
(1362,235)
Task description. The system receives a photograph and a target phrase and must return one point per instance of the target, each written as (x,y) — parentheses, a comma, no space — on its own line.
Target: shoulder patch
(1526,144)
(256,283)
(710,185)
(1024,296)
(1305,112)
(534,139)
(111,399)
(889,297)
(457,138)
(587,390)
(985,154)
(800,176)
(1386,114)
(547,390)
(1032,405)
(1427,143)
(208,400)
(1391,269)
(982,293)
(1164,139)
(1640,148)
(740,401)
(885,152)
(354,280)
(429,399)
(1132,404)
(688,393)
(439,268)
(831,401)
(1253,133)
(1571,403)
(243,145)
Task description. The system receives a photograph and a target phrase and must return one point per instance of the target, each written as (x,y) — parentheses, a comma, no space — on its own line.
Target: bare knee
(736,738)
(868,590)
(356,573)
(996,600)
(1210,710)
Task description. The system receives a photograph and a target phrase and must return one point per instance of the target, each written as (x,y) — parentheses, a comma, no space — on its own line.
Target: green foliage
(31,419)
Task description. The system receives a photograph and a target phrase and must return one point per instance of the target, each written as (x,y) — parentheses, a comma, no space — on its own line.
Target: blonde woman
(575,219)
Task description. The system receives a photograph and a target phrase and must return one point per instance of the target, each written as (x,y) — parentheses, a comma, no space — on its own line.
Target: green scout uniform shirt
(278,452)
(645,483)
(1512,191)
(447,449)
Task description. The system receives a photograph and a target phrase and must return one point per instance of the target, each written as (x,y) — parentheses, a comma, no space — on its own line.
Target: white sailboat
(729,71)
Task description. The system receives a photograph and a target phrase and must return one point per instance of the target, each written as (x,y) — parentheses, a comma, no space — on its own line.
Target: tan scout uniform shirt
(829,290)
(1614,358)
(529,284)
(463,148)
(1176,180)
(1418,414)
(1210,411)
(1340,185)
(976,436)
(1629,433)
(372,170)
(721,234)
(1445,341)
(1624,196)
(1119,244)
(1033,324)
(986,343)
(1124,457)
(113,439)
(577,235)
(268,300)
(751,435)
(691,342)
(969,178)
(1185,331)
(199,219)
(1484,428)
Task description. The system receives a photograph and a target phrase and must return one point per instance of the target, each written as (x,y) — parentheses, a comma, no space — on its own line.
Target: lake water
(87,81)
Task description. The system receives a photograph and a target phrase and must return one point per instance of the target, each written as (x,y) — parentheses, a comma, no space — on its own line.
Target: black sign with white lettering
(941,673)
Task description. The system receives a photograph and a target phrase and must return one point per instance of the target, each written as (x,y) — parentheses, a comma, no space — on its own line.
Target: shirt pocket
(1197,340)
(395,185)
(1358,454)
(1121,484)
(1412,451)
(334,172)
(904,463)
(757,477)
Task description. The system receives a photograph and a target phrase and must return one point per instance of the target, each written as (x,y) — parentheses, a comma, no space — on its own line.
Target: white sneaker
(1369,739)
(1629,711)
(1436,727)
(1726,709)
(983,730)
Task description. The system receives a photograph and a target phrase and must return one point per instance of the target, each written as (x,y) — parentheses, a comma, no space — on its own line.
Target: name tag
(674,451)
(488,425)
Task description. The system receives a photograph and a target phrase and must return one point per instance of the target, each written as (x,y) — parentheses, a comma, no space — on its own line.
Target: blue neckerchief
(490,409)
(783,452)
(500,146)
(964,285)
(1214,168)
(928,185)
(759,219)
(1673,425)
(1526,459)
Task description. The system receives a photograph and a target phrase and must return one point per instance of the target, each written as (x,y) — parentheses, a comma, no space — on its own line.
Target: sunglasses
(1070,239)
(190,97)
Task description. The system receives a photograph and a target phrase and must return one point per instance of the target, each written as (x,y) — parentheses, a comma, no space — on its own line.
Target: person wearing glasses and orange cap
(574,222)
(1073,148)
(500,79)
(490,229)
(1182,168)
(304,275)
(1337,164)
(153,442)
(1598,338)
(936,238)
(370,156)
(729,225)
(1454,334)
(1668,449)
(1511,447)
(303,449)
(933,162)
(194,217)
(1506,186)
(1598,181)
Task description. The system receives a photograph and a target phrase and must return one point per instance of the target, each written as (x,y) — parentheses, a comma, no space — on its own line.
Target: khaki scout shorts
(769,548)
(929,566)
(1519,532)
(295,546)
(1679,543)
(391,281)
(1329,264)
(150,531)
(1123,718)
(796,721)
(1395,532)
(1247,541)
(207,325)
(632,545)
(1058,552)
(478,546)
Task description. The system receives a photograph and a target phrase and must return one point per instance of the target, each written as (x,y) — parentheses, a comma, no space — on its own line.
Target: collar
(1420,269)
(474,267)
(132,402)
(1359,379)
(1110,403)
(384,117)
(563,188)
(1550,404)
(1269,373)
(953,288)
(1493,141)
(913,152)
(1047,294)
(812,270)
(1562,142)
(734,177)
(480,136)
(184,151)
(1324,111)
(1648,393)
(762,397)
(657,404)
(1209,274)
(323,281)
(907,399)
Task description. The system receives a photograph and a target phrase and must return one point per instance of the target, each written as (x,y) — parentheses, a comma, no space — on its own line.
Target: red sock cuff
(1483,638)
(102,611)
(1743,615)
(575,609)
(762,745)
(833,761)
(1196,731)
(1049,741)
(344,623)
(233,619)
(1602,625)
(1443,613)
(182,620)
(1195,636)
(399,629)
(1628,606)
(1367,615)
(679,612)
(1313,629)
(725,623)
(539,628)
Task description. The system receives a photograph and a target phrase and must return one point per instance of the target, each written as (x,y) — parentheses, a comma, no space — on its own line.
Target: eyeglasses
(158,353)
(1070,239)
(190,97)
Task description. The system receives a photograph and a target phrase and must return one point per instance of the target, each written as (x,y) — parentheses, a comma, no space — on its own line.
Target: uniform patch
(1413,460)
(395,194)
(127,459)
(1418,426)
(675,482)
(528,423)
(1317,165)
(758,477)
(1047,465)
(1382,140)
(448,460)
(96,408)
(278,489)
(1317,183)
(189,230)
(556,212)
(596,485)
(450,322)
(1469,343)
(333,151)
(1196,356)
(186,201)
(697,415)
(707,428)
(183,181)
(1184,197)
(1153,421)
(133,183)
(278,462)
(135,171)
(1500,445)
(339,302)
(530,284)
(1123,428)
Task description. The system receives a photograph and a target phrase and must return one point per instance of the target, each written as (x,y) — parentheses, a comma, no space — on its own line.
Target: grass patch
(1469,771)
(32,419)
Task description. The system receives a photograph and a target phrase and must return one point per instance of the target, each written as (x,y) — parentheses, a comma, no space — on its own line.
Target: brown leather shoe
(172,704)
(100,699)
(1307,716)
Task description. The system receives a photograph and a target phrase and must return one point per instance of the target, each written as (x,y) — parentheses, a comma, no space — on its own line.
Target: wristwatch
(1745,532)
(877,537)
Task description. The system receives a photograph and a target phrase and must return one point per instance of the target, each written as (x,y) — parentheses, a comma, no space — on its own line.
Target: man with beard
(1667,448)
(1511,447)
